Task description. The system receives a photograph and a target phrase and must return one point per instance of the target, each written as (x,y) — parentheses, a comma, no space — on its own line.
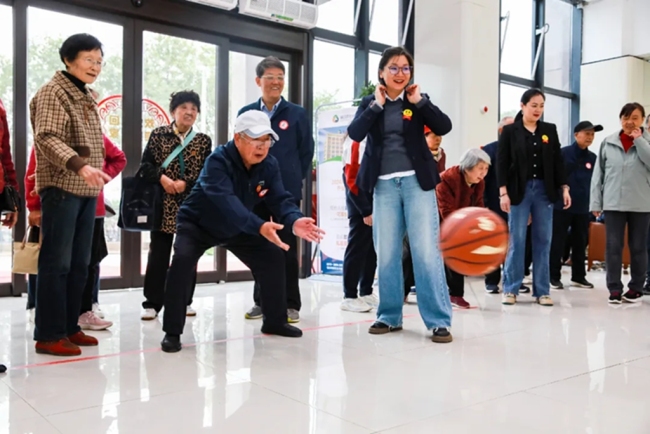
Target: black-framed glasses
(406,70)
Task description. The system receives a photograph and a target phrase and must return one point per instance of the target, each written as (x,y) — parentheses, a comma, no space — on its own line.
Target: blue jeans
(401,206)
(537,205)
(67,223)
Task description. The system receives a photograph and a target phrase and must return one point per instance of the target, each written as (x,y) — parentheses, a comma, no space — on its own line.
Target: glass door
(174,60)
(46,32)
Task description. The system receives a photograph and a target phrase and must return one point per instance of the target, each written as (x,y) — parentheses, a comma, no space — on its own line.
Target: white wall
(615,34)
(615,28)
(457,64)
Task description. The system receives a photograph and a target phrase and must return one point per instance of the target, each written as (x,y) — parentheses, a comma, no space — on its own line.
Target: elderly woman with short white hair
(460,187)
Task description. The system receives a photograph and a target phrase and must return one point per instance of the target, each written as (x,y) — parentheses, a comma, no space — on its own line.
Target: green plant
(366,90)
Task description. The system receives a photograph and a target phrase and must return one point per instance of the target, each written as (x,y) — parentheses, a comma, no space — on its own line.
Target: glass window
(326,90)
(337,15)
(373,67)
(558,111)
(557,45)
(191,65)
(384,27)
(243,90)
(509,100)
(517,40)
(47,31)
(6,95)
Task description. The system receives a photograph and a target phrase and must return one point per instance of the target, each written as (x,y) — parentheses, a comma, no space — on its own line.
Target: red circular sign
(588,165)
(110,114)
(283,125)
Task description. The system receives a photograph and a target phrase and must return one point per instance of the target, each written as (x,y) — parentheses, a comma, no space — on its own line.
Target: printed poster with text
(332,213)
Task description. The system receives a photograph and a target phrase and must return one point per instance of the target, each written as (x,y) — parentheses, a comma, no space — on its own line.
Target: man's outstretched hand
(269,230)
(306,229)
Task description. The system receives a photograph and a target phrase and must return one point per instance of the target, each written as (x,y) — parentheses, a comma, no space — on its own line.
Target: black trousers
(160,251)
(407,267)
(265,260)
(98,251)
(495,277)
(579,224)
(360,259)
(291,261)
(637,237)
(455,282)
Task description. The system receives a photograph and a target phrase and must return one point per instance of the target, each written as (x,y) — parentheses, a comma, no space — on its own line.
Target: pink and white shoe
(90,321)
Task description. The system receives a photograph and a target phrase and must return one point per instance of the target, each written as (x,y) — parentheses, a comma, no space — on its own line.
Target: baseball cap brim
(259,131)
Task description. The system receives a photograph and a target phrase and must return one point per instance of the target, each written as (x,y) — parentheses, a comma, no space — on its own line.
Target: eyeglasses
(273,77)
(259,143)
(94,62)
(406,70)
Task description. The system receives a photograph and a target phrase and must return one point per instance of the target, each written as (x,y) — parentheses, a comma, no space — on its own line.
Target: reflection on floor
(582,366)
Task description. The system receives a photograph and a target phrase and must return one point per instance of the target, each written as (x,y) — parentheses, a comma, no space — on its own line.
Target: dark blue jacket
(370,122)
(226,192)
(357,204)
(295,149)
(579,167)
(491,193)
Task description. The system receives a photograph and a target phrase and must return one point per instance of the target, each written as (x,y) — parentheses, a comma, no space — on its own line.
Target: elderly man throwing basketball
(218,212)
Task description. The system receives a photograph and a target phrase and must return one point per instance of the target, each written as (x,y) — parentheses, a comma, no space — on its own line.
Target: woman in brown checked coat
(177,180)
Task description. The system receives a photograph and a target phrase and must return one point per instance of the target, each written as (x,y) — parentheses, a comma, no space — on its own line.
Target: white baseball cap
(254,124)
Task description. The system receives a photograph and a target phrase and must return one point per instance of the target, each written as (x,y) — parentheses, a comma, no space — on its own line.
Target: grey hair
(268,63)
(503,121)
(472,157)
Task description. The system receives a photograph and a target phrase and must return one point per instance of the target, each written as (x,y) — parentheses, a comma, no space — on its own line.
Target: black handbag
(10,200)
(141,205)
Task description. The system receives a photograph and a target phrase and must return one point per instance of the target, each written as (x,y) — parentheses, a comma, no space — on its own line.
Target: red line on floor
(194,344)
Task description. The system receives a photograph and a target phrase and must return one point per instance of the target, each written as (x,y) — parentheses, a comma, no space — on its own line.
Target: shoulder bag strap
(178,152)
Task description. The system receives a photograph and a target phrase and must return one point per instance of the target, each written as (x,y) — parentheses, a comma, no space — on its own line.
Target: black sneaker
(441,335)
(171,343)
(582,283)
(556,284)
(632,296)
(379,328)
(3,369)
(524,289)
(615,297)
(646,288)
(492,289)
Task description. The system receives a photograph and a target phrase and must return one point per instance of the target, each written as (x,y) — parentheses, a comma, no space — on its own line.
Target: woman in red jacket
(7,171)
(91,317)
(462,186)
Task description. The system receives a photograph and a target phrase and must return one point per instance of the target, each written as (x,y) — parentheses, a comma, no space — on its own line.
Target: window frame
(539,20)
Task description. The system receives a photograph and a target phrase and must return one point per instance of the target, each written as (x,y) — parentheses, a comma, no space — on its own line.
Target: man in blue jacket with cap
(294,152)
(579,164)
(218,212)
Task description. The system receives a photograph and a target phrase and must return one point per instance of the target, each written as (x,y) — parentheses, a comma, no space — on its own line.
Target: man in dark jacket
(579,164)
(294,152)
(360,259)
(218,212)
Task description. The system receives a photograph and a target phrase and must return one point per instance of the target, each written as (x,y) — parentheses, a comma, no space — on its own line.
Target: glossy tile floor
(582,366)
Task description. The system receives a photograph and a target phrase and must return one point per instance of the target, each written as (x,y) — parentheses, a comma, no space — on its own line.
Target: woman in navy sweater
(399,168)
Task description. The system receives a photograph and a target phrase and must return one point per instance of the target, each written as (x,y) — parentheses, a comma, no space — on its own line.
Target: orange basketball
(473,241)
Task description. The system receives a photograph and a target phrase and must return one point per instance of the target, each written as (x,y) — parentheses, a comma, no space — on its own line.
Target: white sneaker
(90,321)
(528,280)
(190,311)
(355,305)
(32,315)
(371,300)
(98,311)
(149,314)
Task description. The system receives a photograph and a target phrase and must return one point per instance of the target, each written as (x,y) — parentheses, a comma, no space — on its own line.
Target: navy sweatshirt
(295,149)
(222,199)
(579,166)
